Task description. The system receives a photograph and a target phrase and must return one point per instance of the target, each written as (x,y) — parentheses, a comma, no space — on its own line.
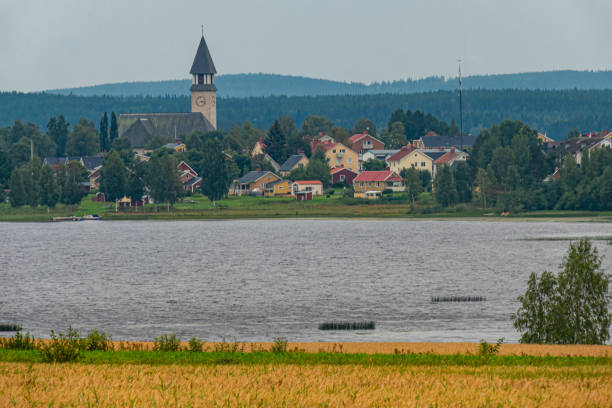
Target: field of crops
(26,385)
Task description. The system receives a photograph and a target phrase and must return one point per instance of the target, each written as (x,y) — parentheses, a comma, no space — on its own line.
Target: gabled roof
(339,169)
(405,151)
(307,182)
(277,181)
(447,141)
(91,162)
(291,162)
(357,137)
(381,175)
(253,176)
(192,181)
(203,63)
(446,158)
(139,127)
(54,161)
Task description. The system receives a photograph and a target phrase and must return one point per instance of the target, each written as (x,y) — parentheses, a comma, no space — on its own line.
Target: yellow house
(545,139)
(278,188)
(179,147)
(407,158)
(370,184)
(338,155)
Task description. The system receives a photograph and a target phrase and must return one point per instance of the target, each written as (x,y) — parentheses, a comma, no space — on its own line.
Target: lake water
(254,280)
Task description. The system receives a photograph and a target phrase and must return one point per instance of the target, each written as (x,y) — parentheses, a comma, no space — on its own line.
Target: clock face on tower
(200,101)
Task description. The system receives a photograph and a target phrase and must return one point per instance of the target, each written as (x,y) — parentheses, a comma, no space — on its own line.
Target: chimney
(404,148)
(441,148)
(387,168)
(258,169)
(453,149)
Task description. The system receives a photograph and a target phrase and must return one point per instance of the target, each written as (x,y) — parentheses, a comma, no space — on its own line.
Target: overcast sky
(65,43)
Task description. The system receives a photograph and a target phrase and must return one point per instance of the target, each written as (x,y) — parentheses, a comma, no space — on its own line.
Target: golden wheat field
(81,385)
(389,348)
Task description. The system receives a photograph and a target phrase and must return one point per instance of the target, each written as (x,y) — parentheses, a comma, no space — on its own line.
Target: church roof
(140,127)
(203,63)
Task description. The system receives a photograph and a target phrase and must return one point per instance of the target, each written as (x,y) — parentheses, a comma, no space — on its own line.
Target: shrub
(13,327)
(487,350)
(97,341)
(279,345)
(62,347)
(166,342)
(18,342)
(195,345)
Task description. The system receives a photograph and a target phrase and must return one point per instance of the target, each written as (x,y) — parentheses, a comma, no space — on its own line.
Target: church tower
(203,90)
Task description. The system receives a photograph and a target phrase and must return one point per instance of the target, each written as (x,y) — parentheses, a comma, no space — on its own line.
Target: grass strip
(303,358)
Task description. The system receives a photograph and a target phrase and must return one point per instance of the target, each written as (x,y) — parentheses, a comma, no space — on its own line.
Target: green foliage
(313,125)
(276,143)
(374,165)
(70,178)
(445,189)
(136,180)
(114,128)
(316,169)
(215,180)
(96,340)
(49,190)
(365,125)
(166,342)
(412,182)
(104,137)
(83,140)
(195,345)
(487,350)
(62,348)
(18,341)
(113,177)
(280,345)
(163,179)
(570,308)
(121,144)
(58,132)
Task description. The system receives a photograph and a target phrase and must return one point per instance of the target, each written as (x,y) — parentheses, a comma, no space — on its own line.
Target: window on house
(349,160)
(423,164)
(334,150)
(361,184)
(377,184)
(342,178)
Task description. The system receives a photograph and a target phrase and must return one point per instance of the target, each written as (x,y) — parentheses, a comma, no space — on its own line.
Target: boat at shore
(89,217)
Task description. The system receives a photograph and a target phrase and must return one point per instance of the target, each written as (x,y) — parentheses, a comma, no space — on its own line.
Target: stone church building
(139,128)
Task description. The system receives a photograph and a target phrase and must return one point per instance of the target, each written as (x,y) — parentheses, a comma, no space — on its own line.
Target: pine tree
(445,189)
(215,180)
(276,143)
(114,128)
(104,142)
(49,190)
(58,132)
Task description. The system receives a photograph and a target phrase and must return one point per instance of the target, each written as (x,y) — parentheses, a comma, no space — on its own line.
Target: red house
(362,142)
(343,175)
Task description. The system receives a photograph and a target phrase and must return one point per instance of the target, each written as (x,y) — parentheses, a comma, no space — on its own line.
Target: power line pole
(460,107)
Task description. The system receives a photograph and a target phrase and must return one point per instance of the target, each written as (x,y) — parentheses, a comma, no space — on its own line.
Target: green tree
(313,125)
(396,136)
(113,177)
(70,179)
(49,190)
(365,125)
(104,139)
(121,144)
(163,179)
(58,132)
(412,181)
(464,181)
(374,165)
(83,140)
(482,182)
(215,180)
(570,308)
(445,189)
(136,180)
(340,135)
(6,168)
(276,143)
(17,193)
(114,129)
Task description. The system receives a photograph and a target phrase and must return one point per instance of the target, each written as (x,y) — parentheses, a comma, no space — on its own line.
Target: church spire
(203,63)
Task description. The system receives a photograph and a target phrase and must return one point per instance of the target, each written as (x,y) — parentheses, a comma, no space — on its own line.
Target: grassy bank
(199,207)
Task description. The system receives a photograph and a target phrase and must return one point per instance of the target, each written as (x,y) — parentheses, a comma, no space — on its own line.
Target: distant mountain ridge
(257,85)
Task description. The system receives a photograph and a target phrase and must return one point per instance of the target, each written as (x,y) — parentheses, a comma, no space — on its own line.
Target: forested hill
(554,112)
(248,85)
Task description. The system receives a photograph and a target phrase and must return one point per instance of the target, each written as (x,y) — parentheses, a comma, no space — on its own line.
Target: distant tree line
(554,112)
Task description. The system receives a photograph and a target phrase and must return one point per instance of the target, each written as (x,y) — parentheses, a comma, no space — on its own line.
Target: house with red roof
(376,182)
(341,175)
(363,142)
(313,186)
(449,158)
